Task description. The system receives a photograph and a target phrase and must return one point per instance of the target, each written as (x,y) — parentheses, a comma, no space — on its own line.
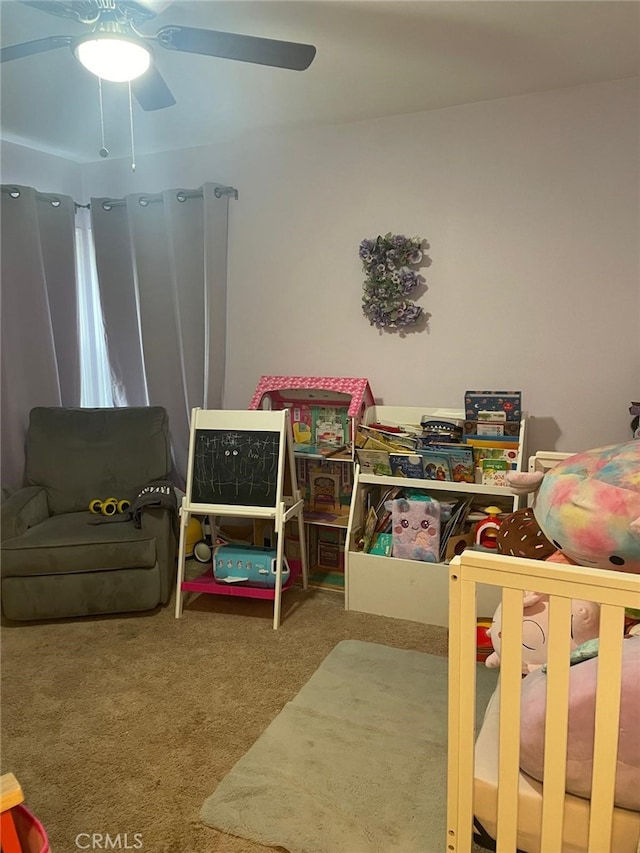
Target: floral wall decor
(390,265)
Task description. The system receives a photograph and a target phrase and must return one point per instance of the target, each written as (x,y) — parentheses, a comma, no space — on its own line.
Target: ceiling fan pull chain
(104,151)
(133,147)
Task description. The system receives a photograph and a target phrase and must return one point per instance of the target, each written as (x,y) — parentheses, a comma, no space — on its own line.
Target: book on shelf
(494,472)
(480,454)
(455,523)
(492,429)
(504,441)
(500,447)
(369,529)
(378,516)
(461,461)
(480,405)
(455,463)
(387,495)
(407,465)
(382,544)
(383,523)
(369,437)
(393,430)
(383,508)
(374,444)
(436,465)
(374,462)
(395,427)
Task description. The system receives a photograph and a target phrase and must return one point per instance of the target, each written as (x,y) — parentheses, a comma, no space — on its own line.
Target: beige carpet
(356,762)
(126,724)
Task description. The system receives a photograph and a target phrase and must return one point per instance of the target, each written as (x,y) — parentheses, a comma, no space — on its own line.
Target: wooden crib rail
(613,591)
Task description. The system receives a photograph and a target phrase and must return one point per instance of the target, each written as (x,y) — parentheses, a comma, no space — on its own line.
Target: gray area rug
(356,763)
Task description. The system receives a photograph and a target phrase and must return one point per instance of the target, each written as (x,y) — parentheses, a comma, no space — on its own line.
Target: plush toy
(520,536)
(415,525)
(588,506)
(582,691)
(585,623)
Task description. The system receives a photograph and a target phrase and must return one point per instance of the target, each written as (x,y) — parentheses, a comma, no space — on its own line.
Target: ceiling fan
(113,28)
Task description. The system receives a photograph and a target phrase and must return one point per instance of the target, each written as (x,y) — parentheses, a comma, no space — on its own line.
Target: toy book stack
(415,451)
(492,429)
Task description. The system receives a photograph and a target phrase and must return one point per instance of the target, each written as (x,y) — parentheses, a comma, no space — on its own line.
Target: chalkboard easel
(241,464)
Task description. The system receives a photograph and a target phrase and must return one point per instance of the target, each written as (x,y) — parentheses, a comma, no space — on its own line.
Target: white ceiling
(374,58)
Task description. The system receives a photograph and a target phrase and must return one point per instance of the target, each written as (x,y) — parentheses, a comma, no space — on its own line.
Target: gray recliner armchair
(56,561)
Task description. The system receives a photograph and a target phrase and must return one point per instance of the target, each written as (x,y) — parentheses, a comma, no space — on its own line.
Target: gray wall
(531,206)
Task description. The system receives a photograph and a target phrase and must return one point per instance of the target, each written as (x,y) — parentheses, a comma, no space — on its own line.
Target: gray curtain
(162,272)
(39,327)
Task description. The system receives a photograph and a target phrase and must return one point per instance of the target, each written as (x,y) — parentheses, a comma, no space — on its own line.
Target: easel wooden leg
(184,523)
(303,551)
(277,601)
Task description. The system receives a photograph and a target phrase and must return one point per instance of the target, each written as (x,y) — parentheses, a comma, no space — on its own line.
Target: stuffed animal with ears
(582,695)
(585,623)
(588,506)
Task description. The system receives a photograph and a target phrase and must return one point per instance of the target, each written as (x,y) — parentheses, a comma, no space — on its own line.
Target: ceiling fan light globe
(114,59)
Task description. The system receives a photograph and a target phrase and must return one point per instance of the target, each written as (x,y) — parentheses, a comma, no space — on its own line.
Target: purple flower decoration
(386,262)
(408,313)
(367,247)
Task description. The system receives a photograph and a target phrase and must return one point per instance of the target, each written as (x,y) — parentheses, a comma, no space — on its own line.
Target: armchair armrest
(160,522)
(23,509)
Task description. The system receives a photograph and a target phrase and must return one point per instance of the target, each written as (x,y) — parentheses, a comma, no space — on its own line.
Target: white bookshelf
(410,589)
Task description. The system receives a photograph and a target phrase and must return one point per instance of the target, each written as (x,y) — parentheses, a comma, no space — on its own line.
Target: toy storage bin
(31,833)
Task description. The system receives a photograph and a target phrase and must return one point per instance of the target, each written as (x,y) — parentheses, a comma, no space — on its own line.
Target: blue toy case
(248,565)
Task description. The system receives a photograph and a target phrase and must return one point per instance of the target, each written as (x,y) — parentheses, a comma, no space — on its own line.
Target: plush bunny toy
(585,622)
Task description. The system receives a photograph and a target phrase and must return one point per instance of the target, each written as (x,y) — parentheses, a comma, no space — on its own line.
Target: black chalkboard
(235,467)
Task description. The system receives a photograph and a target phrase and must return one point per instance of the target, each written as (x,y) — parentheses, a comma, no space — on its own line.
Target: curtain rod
(107,204)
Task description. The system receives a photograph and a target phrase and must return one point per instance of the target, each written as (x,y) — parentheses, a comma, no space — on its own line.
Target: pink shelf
(206,583)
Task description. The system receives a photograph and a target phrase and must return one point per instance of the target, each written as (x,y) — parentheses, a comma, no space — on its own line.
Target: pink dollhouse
(325,410)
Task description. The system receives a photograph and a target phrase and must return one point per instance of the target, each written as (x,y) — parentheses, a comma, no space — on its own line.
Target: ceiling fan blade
(151,92)
(29,48)
(73,10)
(280,54)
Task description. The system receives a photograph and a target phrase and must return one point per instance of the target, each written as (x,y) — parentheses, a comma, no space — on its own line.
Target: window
(95,374)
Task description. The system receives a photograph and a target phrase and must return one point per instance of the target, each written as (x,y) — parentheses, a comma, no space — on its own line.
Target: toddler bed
(487,792)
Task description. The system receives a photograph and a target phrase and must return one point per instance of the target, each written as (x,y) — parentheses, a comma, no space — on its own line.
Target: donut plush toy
(520,536)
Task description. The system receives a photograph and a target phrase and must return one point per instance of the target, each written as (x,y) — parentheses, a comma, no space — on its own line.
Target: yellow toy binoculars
(109,507)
